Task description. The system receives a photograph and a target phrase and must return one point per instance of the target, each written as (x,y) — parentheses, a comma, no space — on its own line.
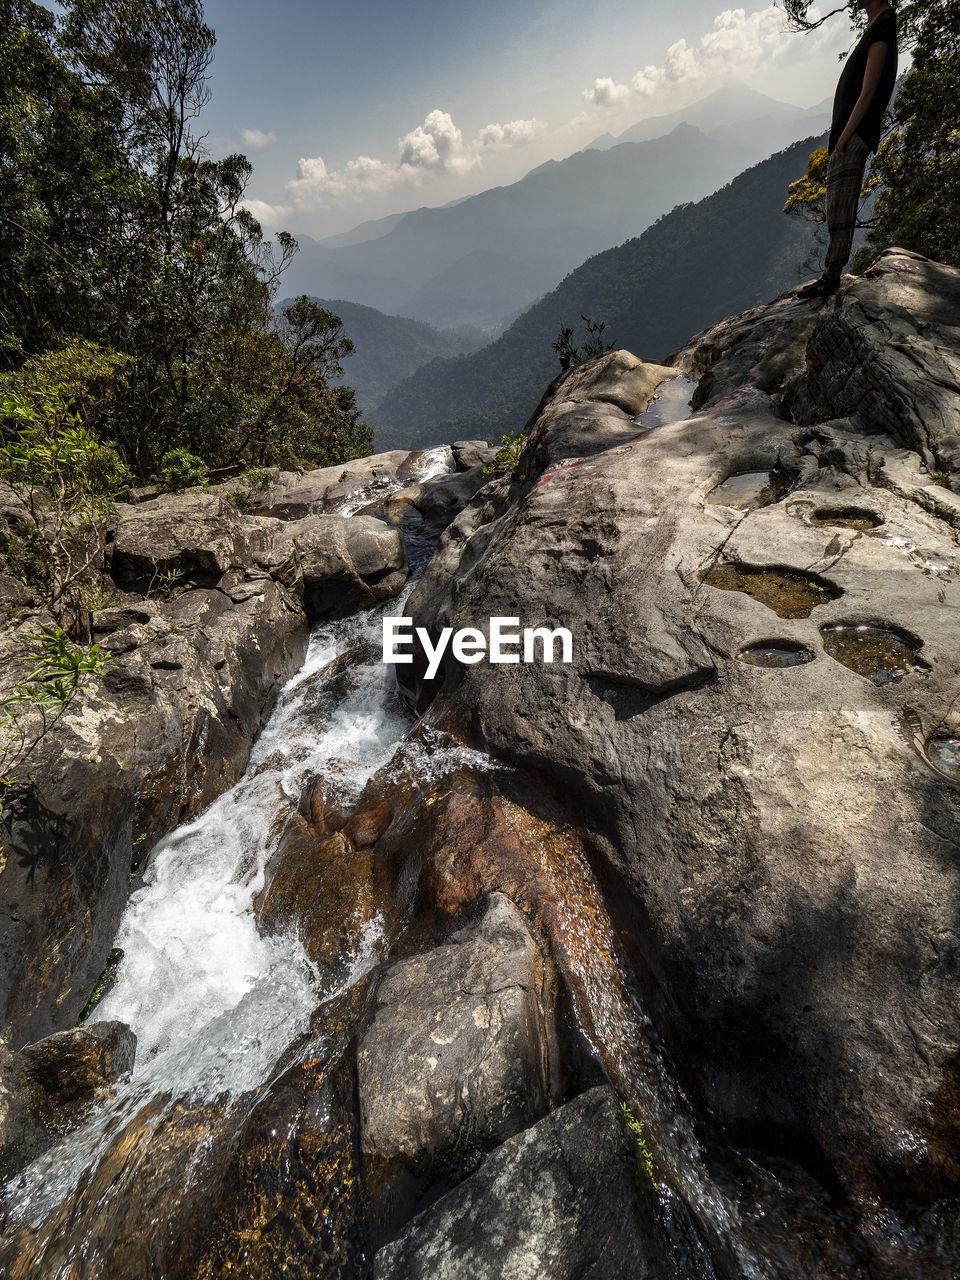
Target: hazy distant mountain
(365,231)
(734,105)
(488,256)
(389,349)
(701,262)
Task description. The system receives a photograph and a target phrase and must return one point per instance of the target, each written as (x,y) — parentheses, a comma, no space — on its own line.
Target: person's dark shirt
(882,29)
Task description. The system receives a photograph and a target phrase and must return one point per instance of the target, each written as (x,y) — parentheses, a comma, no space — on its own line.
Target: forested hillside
(388,349)
(698,263)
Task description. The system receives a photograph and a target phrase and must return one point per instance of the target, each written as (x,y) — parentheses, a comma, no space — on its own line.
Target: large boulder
(568,1199)
(758,676)
(183,536)
(468,454)
(888,354)
(347,562)
(441,499)
(455,1056)
(74,1064)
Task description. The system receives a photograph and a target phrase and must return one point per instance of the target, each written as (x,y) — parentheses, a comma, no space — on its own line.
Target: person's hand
(842,143)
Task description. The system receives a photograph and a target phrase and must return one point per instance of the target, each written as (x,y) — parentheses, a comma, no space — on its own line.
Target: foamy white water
(211,1000)
(435,462)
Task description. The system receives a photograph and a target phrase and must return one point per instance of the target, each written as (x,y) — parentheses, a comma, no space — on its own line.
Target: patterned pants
(844,183)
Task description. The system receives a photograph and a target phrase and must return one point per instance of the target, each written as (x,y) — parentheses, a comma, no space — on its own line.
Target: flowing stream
(213,1002)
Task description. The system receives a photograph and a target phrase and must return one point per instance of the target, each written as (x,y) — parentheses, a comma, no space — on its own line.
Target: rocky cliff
(667,947)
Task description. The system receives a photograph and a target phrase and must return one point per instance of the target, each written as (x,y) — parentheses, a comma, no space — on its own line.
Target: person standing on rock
(863,92)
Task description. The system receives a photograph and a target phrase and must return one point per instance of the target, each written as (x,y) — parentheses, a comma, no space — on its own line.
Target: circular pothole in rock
(944,755)
(777,654)
(881,654)
(751,489)
(790,593)
(858,518)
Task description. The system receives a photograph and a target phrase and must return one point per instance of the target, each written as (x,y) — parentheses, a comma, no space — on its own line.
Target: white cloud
(515,133)
(436,144)
(270,216)
(606,93)
(256,138)
(738,43)
(435,147)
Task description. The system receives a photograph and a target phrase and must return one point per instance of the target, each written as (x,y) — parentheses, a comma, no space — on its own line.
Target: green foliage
(644,1158)
(594,345)
(61,482)
(59,670)
(164,584)
(252,484)
(119,228)
(808,194)
(918,163)
(180,469)
(507,457)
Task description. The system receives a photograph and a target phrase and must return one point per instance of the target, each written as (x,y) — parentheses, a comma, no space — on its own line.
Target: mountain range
(696,264)
(483,260)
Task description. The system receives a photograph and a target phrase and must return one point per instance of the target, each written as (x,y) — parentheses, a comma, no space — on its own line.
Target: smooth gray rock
(566,1199)
(347,562)
(468,454)
(782,830)
(441,499)
(454,1057)
(74,1064)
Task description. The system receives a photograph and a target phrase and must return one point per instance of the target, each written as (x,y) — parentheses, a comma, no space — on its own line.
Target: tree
(160,264)
(61,177)
(918,163)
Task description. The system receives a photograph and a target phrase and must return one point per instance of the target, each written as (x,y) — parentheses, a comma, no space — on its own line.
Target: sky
(353,111)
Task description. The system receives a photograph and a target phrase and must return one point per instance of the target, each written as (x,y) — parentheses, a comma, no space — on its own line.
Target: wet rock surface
(564,1199)
(20,1130)
(214,606)
(454,1058)
(72,1064)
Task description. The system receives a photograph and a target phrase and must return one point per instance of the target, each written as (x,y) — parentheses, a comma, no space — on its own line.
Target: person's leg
(844,184)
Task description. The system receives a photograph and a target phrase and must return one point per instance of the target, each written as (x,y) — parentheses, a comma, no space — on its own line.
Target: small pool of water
(881,654)
(670,404)
(790,593)
(944,755)
(857,518)
(751,489)
(777,654)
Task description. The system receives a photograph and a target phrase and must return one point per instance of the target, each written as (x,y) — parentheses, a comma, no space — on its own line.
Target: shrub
(59,670)
(180,469)
(61,483)
(507,456)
